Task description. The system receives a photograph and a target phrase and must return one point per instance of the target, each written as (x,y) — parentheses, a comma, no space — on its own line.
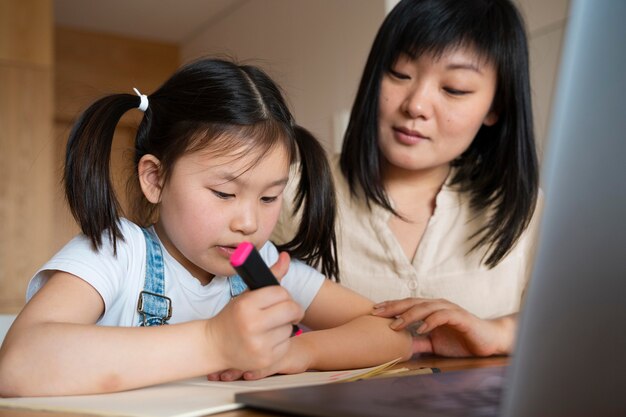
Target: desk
(445,364)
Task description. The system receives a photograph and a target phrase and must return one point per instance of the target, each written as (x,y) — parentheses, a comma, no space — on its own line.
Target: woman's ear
(491,118)
(150,178)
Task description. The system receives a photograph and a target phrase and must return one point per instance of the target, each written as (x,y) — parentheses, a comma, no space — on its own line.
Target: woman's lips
(407,136)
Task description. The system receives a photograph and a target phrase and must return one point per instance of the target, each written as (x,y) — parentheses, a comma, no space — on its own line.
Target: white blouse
(372,262)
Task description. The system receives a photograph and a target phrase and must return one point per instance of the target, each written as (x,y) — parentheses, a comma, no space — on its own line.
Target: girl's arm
(54,347)
(348,337)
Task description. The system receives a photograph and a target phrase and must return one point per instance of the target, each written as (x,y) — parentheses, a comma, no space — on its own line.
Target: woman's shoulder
(351,201)
(341,185)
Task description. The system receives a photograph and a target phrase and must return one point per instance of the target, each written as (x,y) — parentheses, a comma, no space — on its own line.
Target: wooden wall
(26,147)
(47,76)
(90,65)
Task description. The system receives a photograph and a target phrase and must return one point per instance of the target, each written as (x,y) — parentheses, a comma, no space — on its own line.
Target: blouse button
(412,285)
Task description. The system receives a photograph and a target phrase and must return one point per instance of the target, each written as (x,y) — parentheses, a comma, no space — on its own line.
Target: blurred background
(56,56)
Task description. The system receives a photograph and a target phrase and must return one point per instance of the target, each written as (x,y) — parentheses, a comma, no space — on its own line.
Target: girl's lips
(226,250)
(408,137)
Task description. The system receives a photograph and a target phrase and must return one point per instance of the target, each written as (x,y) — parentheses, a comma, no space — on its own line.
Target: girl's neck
(197,272)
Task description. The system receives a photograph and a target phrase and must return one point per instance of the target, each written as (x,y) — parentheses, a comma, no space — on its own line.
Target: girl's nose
(417,103)
(244,220)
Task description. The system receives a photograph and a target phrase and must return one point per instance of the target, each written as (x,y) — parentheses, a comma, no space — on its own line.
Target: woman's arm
(446,329)
(54,347)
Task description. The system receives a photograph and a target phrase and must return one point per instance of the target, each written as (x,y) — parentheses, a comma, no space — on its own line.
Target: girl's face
(211,204)
(432,108)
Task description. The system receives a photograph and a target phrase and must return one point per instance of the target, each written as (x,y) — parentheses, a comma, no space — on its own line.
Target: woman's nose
(418,102)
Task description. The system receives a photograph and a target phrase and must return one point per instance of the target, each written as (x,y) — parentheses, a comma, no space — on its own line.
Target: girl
(437,180)
(212,157)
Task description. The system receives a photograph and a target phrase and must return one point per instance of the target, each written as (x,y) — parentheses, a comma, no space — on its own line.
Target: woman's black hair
(209,102)
(499,169)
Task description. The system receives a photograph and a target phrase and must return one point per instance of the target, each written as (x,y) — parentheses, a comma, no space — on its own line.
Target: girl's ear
(150,179)
(491,118)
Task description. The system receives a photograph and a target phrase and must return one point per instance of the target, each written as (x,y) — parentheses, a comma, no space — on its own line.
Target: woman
(437,180)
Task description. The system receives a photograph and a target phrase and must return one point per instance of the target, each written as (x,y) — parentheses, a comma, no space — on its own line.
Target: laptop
(570,357)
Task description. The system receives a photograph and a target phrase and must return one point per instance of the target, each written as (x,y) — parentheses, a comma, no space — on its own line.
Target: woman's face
(431,108)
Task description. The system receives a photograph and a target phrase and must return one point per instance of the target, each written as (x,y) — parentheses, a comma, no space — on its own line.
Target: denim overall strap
(153,306)
(237,286)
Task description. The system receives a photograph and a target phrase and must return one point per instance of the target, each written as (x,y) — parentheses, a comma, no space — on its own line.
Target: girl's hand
(295,361)
(445,329)
(253,330)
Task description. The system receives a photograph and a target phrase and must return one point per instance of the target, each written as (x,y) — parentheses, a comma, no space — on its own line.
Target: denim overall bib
(153,306)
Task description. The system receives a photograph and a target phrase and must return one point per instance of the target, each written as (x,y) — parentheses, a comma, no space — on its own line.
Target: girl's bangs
(221,139)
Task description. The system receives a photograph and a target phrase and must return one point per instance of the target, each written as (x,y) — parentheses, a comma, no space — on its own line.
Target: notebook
(193,397)
(570,357)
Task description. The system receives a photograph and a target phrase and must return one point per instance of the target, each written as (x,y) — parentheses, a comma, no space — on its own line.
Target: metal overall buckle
(145,314)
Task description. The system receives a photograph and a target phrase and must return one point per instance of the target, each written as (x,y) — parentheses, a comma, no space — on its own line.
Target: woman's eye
(222,195)
(268,199)
(455,92)
(398,75)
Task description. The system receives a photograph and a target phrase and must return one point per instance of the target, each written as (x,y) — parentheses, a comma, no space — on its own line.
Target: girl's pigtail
(88,187)
(315,241)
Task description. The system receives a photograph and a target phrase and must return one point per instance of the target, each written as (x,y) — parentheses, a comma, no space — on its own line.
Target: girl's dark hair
(499,169)
(209,102)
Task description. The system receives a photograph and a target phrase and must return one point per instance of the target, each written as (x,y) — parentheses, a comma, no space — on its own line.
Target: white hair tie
(143,104)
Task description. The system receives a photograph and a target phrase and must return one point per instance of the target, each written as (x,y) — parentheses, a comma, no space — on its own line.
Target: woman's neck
(408,188)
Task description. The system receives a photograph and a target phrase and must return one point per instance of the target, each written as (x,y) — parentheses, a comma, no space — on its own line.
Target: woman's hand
(445,329)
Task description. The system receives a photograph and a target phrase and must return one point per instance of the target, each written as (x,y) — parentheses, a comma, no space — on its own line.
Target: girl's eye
(222,195)
(398,75)
(455,92)
(268,199)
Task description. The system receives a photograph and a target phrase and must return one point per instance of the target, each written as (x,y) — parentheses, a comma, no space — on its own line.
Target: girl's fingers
(280,268)
(266,308)
(231,375)
(227,375)
(287,312)
(264,297)
(215,376)
(258,374)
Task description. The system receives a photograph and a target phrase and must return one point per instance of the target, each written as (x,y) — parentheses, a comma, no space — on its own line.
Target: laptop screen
(571,354)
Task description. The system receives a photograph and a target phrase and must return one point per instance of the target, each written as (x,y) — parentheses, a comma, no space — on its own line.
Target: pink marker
(255,273)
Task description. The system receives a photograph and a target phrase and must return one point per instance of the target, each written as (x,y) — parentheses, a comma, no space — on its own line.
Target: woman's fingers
(393,308)
(411,312)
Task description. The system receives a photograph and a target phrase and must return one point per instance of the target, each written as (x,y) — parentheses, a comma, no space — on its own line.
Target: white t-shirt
(119,279)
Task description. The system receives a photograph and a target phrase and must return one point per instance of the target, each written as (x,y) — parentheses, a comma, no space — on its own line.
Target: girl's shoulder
(131,237)
(269,253)
(105,268)
(302,281)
